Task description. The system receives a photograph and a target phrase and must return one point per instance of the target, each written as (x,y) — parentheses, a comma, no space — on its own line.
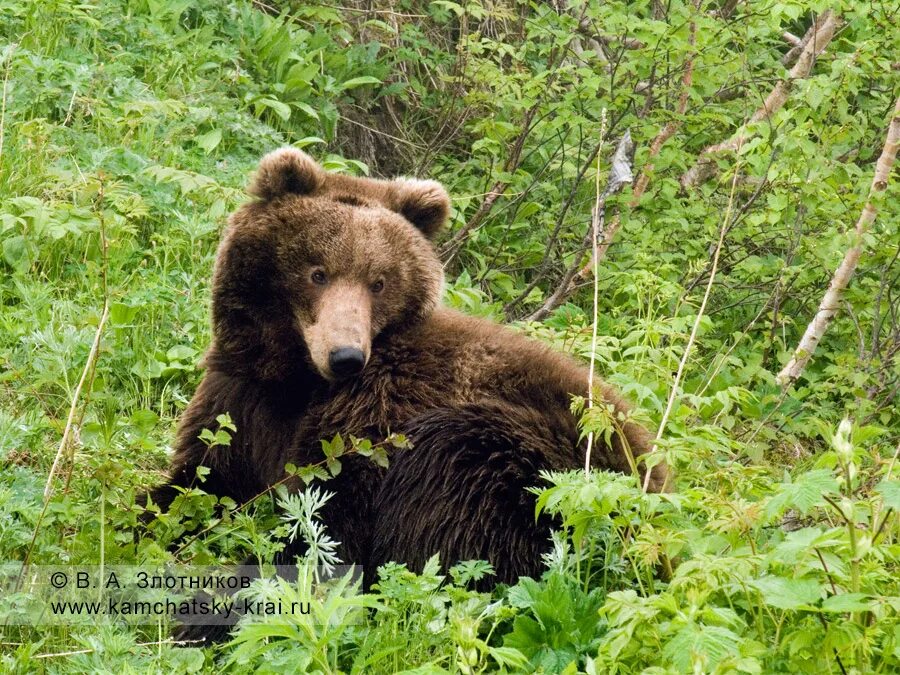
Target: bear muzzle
(340,339)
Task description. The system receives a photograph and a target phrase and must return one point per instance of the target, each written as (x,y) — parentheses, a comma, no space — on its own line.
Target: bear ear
(286,171)
(424,203)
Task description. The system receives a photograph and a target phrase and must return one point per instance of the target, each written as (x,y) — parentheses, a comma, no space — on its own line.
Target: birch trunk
(830,302)
(705,165)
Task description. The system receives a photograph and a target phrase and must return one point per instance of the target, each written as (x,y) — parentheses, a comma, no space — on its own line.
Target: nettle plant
(737,572)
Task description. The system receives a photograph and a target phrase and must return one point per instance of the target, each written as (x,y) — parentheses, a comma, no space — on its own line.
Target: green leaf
(379,456)
(788,593)
(310,473)
(847,602)
(224,421)
(333,448)
(308,140)
(452,6)
(890,493)
(334,466)
(698,642)
(15,253)
(399,441)
(121,314)
(508,657)
(181,353)
(358,82)
(309,110)
(282,110)
(209,140)
(804,493)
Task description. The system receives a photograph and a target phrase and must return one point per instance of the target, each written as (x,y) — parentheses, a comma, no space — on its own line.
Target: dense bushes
(128,130)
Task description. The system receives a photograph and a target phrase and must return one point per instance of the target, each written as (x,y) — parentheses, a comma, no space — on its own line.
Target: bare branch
(831,301)
(792,39)
(620,173)
(723,230)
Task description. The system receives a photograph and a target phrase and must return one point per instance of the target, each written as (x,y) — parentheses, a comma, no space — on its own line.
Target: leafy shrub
(127,130)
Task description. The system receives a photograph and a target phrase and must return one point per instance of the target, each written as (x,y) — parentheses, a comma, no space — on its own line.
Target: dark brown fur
(485,407)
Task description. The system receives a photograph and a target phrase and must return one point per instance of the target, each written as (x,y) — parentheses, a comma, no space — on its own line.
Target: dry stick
(595,226)
(620,173)
(830,302)
(693,336)
(88,367)
(705,165)
(87,372)
(9,58)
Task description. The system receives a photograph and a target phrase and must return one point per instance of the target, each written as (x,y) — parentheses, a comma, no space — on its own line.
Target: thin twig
(9,58)
(595,225)
(88,367)
(693,336)
(75,652)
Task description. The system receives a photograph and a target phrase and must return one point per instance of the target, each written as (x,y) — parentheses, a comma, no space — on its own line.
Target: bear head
(319,266)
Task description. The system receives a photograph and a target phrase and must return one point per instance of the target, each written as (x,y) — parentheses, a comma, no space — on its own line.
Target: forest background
(724,163)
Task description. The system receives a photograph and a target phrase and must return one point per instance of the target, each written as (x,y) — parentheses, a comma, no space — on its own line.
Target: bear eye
(318,277)
(378,286)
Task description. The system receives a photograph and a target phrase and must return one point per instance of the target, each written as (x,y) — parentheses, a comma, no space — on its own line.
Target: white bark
(705,165)
(831,301)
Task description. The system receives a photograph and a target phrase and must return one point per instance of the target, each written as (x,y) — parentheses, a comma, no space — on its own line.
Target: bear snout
(346,361)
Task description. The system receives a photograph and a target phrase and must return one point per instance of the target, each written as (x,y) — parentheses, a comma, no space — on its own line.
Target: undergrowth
(127,131)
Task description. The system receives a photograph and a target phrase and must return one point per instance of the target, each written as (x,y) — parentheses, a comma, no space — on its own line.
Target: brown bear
(327,320)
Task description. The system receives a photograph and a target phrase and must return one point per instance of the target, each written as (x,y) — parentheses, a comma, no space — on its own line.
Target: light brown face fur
(343,320)
(332,262)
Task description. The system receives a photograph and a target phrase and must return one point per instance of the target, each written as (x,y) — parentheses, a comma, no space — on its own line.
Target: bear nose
(346,361)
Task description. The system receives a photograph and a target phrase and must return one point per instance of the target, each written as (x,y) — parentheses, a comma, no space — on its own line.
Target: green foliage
(127,130)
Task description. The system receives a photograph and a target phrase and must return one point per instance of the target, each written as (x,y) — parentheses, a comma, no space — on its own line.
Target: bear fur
(321,262)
